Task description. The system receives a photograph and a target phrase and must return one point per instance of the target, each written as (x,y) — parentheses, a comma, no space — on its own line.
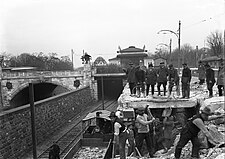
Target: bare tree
(215,42)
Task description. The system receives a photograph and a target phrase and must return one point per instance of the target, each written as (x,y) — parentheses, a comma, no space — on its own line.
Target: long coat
(151,76)
(201,72)
(140,75)
(173,75)
(221,76)
(186,75)
(210,77)
(162,73)
(131,78)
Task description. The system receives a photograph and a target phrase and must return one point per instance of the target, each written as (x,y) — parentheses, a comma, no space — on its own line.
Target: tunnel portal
(41,91)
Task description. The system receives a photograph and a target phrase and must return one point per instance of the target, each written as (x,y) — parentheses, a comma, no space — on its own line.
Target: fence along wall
(50,115)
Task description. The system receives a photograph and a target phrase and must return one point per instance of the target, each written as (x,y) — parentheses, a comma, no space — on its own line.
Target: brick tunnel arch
(42,90)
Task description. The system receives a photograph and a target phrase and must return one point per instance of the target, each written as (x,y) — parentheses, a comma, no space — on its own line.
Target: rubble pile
(90,153)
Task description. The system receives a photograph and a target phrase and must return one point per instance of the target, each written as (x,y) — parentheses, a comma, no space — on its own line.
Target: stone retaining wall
(50,115)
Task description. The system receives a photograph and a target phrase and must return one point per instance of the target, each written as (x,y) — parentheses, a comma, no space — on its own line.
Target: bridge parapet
(20,80)
(7,74)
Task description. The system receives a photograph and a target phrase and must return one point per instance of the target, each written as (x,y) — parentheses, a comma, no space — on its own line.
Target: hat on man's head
(207,111)
(150,65)
(131,63)
(184,64)
(162,62)
(112,114)
(171,65)
(207,65)
(167,112)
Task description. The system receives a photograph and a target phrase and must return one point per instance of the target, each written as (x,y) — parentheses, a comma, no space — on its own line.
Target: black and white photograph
(112,79)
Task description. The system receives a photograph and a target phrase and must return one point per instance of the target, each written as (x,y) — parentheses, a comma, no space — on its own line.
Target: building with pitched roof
(131,54)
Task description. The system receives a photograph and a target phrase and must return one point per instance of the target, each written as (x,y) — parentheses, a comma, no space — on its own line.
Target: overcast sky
(99,26)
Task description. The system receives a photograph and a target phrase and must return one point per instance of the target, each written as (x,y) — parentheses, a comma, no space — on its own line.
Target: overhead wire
(203,21)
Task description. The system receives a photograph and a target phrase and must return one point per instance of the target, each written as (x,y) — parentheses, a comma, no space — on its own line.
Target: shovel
(113,148)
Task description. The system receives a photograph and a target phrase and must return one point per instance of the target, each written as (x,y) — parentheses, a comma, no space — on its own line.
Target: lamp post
(178,37)
(169,46)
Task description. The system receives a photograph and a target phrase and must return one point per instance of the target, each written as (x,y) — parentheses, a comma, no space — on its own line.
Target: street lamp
(169,46)
(178,37)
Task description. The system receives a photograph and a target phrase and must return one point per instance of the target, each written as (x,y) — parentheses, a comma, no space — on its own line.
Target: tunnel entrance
(112,85)
(41,91)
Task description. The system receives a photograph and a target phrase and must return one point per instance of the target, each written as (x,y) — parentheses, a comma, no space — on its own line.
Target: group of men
(206,73)
(141,77)
(134,134)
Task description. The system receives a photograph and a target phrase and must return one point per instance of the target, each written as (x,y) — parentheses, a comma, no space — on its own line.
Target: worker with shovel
(191,130)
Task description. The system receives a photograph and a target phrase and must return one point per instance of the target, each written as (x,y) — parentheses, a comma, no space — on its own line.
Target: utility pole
(178,61)
(32,110)
(170,51)
(223,44)
(196,57)
(72,57)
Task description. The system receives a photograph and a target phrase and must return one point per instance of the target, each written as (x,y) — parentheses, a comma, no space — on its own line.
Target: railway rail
(74,133)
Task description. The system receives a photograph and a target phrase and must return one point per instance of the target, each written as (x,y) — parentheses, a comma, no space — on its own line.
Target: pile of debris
(215,127)
(90,152)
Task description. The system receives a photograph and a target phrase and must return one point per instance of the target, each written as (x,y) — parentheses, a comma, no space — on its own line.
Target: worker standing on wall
(131,78)
(185,80)
(162,74)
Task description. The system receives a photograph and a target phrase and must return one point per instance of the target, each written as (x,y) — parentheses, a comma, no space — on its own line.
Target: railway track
(74,133)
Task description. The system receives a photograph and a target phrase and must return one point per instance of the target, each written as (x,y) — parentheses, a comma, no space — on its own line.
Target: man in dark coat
(221,78)
(185,80)
(151,78)
(162,74)
(173,78)
(131,78)
(210,79)
(140,76)
(201,73)
(54,151)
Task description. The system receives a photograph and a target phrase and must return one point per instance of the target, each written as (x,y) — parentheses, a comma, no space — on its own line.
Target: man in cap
(185,80)
(191,130)
(221,78)
(210,79)
(162,74)
(140,77)
(120,134)
(173,78)
(201,72)
(151,78)
(131,78)
(54,152)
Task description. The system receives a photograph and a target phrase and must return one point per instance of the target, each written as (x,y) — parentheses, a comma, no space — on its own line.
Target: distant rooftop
(131,49)
(211,58)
